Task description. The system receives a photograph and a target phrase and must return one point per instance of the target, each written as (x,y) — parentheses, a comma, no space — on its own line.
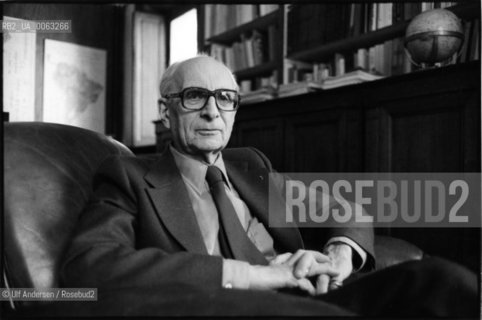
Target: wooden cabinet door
(426,133)
(266,135)
(325,141)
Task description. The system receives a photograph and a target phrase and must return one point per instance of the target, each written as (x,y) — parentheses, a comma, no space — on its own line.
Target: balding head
(183,72)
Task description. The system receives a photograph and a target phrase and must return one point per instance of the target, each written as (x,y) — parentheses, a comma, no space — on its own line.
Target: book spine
(230,61)
(243,59)
(373,17)
(270,53)
(248,48)
(208,17)
(463,51)
(245,86)
(257,47)
(238,63)
(351,32)
(339,64)
(475,41)
(292,39)
(265,9)
(361,59)
(357,19)
(388,58)
(221,18)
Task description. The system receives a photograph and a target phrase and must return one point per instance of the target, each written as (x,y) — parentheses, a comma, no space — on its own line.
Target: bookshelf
(232,35)
(378,38)
(467,12)
(252,46)
(300,39)
(364,40)
(261,69)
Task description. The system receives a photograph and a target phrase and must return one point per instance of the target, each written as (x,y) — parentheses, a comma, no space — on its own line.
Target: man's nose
(210,110)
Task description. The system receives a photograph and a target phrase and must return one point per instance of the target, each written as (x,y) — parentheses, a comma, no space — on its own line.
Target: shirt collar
(194,171)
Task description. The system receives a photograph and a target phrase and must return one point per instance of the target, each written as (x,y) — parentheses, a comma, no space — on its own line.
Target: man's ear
(164,114)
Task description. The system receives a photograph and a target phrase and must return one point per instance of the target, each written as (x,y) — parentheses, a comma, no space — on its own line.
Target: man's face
(202,133)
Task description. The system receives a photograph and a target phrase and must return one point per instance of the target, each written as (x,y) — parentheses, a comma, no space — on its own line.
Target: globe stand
(433,53)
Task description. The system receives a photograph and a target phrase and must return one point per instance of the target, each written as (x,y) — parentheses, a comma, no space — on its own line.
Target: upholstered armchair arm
(390,251)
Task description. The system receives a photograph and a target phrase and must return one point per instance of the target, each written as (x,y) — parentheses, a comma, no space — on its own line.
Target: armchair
(48,172)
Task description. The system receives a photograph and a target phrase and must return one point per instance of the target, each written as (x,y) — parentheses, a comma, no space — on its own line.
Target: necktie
(233,240)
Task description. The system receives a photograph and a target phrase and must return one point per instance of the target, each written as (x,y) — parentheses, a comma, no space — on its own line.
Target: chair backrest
(48,170)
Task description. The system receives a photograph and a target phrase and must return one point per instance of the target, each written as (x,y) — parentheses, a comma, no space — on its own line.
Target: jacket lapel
(253,187)
(172,204)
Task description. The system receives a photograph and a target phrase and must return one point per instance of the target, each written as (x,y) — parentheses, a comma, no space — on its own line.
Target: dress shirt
(235,272)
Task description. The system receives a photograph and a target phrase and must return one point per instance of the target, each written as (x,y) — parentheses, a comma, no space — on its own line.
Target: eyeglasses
(194,98)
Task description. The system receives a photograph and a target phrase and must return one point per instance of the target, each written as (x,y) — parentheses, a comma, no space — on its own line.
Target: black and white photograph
(195,158)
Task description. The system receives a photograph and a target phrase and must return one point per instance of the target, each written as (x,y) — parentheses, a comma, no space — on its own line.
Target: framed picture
(74,85)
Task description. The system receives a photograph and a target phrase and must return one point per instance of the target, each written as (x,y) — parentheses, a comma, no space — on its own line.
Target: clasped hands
(295,270)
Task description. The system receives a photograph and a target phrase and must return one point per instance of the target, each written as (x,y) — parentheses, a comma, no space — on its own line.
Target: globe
(433,37)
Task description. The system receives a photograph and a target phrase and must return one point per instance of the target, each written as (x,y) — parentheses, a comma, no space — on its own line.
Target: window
(183,37)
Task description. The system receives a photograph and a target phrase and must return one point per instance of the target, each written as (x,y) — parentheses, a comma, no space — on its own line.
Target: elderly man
(196,217)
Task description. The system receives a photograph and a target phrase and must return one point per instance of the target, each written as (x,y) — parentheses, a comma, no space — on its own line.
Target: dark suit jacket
(140,228)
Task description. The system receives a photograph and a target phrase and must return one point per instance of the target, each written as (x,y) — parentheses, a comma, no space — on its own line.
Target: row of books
(250,85)
(386,59)
(365,64)
(471,46)
(221,17)
(317,24)
(306,86)
(251,50)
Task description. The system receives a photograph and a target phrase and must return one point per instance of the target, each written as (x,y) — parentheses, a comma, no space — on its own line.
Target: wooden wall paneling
(375,139)
(376,152)
(472,132)
(265,135)
(234,140)
(432,137)
(422,135)
(429,126)
(354,145)
(425,121)
(325,141)
(433,133)
(313,142)
(427,82)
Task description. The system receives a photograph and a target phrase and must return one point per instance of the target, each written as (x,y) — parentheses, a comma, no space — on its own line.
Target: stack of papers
(349,78)
(259,95)
(291,89)
(302,87)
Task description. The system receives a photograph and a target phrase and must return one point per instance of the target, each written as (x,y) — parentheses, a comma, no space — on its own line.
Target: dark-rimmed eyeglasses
(194,98)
